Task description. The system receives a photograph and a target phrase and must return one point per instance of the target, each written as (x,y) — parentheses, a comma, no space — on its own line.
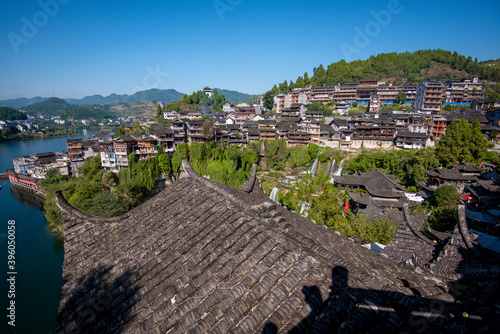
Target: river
(39,253)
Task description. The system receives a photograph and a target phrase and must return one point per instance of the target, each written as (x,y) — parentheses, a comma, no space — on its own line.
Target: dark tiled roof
(315,112)
(341,121)
(377,183)
(409,241)
(409,134)
(286,126)
(126,138)
(325,128)
(202,257)
(195,121)
(253,131)
(449,174)
(44,154)
(160,130)
(268,122)
(490,185)
(469,168)
(480,100)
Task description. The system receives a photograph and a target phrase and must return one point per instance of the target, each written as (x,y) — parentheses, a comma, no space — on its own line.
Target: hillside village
(400,128)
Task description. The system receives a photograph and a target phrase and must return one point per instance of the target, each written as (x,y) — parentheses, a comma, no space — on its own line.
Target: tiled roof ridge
(408,222)
(205,257)
(464,231)
(248,186)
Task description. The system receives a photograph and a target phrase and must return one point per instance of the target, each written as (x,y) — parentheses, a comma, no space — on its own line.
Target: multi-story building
(439,124)
(227,107)
(267,130)
(323,94)
(146,148)
(411,140)
(419,124)
(282,101)
(108,156)
(378,132)
(179,129)
(165,137)
(388,93)
(253,134)
(207,90)
(346,92)
(300,95)
(402,120)
(75,148)
(298,137)
(123,146)
(242,116)
(374,104)
(410,92)
(24,163)
(312,124)
(193,114)
(493,117)
(463,91)
(365,89)
(170,115)
(485,104)
(194,131)
(341,108)
(429,96)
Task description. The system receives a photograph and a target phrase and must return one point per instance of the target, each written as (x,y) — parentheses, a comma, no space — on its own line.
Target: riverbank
(26,183)
(32,136)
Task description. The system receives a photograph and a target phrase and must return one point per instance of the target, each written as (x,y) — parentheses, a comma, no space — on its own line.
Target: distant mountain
(21,102)
(166,96)
(54,106)
(51,106)
(233,96)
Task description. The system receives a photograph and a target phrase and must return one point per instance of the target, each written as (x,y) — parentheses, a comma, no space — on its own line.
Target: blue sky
(74,48)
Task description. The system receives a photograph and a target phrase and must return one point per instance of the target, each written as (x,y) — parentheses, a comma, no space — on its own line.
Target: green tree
(207,130)
(313,150)
(268,100)
(446,196)
(462,142)
(400,98)
(120,132)
(9,114)
(164,162)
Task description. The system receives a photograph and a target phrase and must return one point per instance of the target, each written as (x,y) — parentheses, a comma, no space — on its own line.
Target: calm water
(39,253)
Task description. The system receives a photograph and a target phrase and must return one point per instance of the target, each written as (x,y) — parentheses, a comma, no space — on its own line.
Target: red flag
(346,205)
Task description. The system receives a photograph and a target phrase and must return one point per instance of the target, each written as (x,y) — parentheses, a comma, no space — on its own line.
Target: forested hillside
(233,96)
(396,68)
(51,106)
(8,114)
(196,100)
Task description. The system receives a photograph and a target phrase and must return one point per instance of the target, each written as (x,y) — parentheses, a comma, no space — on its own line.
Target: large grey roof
(376,182)
(201,257)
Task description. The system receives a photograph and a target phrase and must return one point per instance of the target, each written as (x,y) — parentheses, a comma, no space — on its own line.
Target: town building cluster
(294,122)
(382,129)
(21,125)
(427,96)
